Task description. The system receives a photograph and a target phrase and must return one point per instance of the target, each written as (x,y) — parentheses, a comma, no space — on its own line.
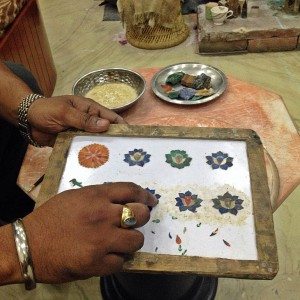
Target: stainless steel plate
(218,81)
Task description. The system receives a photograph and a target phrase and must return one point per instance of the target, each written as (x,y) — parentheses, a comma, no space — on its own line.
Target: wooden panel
(265,267)
(25,42)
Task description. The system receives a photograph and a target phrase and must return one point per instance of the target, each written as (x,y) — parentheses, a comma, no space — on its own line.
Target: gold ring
(127,219)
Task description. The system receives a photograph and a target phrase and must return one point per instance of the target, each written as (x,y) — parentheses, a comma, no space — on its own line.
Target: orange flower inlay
(93,156)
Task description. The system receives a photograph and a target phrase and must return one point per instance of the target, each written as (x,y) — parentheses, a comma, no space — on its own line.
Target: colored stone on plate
(166,87)
(173,94)
(204,92)
(196,98)
(188,80)
(187,93)
(175,78)
(202,81)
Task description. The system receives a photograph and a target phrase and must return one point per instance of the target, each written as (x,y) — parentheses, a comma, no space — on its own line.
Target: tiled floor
(81,42)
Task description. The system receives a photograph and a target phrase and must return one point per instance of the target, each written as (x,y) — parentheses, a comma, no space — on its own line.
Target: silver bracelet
(24,254)
(23,123)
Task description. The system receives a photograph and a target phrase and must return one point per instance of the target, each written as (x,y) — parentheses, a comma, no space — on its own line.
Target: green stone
(173,95)
(175,78)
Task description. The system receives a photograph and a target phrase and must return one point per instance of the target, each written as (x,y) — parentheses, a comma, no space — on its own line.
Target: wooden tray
(265,266)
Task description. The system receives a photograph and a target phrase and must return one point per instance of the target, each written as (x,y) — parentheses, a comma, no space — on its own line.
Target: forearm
(10,271)
(12,91)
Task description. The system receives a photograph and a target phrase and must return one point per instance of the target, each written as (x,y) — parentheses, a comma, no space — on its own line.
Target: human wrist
(23,118)
(24,254)
(10,272)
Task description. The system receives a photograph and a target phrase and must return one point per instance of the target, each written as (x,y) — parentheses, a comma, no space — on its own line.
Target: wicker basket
(156,37)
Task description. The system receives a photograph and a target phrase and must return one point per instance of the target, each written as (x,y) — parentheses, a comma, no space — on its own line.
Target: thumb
(86,122)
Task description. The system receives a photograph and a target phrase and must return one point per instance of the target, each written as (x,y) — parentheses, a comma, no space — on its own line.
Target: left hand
(47,117)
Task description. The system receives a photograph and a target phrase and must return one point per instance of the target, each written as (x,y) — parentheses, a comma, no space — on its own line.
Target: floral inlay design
(178,159)
(228,204)
(219,160)
(188,201)
(137,157)
(157,196)
(74,183)
(93,156)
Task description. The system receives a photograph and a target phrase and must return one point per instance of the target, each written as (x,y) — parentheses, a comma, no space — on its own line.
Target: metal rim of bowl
(187,102)
(115,69)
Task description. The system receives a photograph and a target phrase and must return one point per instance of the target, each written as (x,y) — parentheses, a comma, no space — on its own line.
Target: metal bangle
(23,123)
(24,254)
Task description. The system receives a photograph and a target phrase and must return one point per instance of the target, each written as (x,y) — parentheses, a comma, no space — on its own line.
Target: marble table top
(242,105)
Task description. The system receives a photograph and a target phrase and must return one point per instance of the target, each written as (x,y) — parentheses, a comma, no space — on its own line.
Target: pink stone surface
(241,106)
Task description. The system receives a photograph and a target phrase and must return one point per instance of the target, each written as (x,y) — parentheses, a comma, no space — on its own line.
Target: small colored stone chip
(175,78)
(188,80)
(202,81)
(187,93)
(173,94)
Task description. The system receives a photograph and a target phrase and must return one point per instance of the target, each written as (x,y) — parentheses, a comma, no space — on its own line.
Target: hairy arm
(12,91)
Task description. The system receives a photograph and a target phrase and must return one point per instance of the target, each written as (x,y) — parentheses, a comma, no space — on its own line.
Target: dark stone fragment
(202,82)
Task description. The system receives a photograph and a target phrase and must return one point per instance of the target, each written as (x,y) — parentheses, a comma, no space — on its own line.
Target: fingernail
(101,122)
(155,201)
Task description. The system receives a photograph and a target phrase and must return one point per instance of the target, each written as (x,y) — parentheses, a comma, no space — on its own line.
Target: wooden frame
(266,267)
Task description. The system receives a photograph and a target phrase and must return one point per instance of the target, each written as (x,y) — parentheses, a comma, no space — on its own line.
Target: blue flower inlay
(188,201)
(137,157)
(219,160)
(228,204)
(157,196)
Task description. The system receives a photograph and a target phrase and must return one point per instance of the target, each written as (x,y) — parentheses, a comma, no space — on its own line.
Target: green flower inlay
(178,159)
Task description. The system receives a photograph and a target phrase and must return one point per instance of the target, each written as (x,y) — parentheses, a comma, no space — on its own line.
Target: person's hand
(47,117)
(77,234)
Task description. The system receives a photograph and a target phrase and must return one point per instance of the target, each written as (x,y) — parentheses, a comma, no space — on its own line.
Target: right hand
(77,233)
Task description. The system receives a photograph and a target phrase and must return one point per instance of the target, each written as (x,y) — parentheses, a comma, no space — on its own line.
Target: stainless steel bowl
(218,81)
(113,75)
